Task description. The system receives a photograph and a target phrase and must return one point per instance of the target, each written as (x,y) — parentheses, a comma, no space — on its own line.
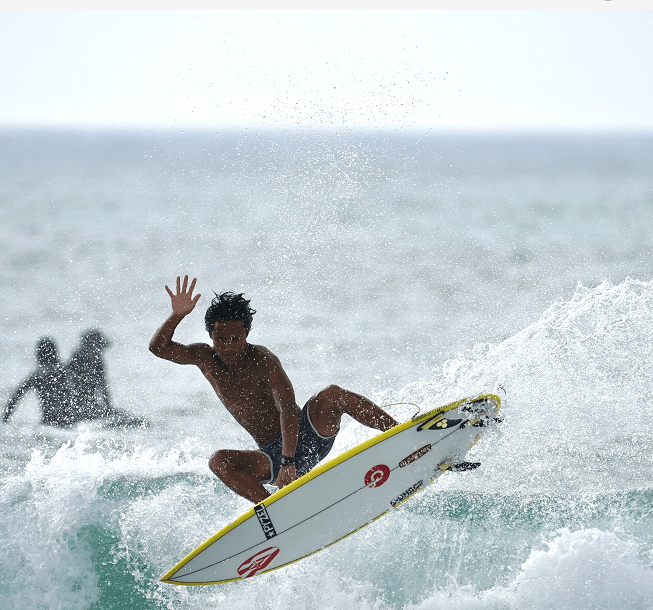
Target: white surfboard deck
(339,497)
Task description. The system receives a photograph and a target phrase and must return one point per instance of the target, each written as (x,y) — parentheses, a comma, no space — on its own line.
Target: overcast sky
(427,69)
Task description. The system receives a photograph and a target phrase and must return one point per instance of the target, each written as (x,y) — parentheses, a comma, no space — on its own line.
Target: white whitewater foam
(582,570)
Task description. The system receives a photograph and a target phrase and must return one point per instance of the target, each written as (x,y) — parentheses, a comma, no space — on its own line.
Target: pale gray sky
(441,69)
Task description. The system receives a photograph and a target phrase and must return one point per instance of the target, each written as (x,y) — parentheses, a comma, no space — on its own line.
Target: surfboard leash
(412,404)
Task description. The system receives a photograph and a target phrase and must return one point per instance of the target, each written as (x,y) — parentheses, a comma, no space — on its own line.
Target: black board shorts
(311,448)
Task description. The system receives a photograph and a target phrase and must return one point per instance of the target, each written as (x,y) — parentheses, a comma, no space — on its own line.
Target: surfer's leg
(328,405)
(243,472)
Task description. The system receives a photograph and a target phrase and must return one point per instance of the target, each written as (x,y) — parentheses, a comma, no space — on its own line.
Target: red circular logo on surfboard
(377,475)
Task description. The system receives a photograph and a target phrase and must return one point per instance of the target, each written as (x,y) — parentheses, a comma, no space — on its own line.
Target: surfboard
(341,496)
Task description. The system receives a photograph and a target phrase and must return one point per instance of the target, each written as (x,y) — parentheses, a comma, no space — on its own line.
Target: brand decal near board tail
(439,422)
(406,494)
(413,457)
(377,475)
(431,421)
(257,562)
(265,521)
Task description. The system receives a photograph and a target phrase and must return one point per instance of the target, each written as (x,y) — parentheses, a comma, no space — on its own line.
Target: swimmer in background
(74,392)
(87,376)
(51,384)
(88,381)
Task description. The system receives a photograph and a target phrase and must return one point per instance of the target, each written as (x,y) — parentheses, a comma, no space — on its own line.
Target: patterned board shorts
(311,448)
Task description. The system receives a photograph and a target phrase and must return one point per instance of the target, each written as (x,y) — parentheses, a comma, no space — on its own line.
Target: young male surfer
(252,385)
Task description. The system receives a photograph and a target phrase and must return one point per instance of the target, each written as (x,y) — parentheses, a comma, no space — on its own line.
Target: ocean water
(413,267)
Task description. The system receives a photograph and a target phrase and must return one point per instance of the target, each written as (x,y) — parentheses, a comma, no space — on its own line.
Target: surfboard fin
(463,466)
(483,422)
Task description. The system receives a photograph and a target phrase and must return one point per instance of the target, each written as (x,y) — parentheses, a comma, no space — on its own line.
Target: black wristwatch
(285,460)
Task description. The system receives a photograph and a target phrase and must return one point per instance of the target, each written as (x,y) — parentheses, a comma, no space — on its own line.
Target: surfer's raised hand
(183,302)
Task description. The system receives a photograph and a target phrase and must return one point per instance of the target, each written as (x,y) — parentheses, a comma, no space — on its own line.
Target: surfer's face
(229,339)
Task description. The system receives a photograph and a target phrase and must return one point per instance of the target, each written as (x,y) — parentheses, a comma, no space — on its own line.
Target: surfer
(51,383)
(252,385)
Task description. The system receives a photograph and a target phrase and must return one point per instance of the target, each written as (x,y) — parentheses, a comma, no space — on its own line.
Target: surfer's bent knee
(218,461)
(332,393)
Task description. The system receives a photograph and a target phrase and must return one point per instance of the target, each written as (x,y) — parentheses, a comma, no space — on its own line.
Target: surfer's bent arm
(284,399)
(289,416)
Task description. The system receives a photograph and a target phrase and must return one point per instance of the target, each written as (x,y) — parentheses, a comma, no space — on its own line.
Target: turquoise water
(408,268)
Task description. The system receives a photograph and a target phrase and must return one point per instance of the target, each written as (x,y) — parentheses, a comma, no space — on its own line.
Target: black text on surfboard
(409,492)
(265,521)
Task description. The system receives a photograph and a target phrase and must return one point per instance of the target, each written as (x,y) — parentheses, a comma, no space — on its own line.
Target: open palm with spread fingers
(183,302)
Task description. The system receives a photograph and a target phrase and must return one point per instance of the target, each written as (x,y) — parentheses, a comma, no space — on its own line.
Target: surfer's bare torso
(245,385)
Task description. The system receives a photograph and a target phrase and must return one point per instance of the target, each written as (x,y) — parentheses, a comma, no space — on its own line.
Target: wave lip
(579,570)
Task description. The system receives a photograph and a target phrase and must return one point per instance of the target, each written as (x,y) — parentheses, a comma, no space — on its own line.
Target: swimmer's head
(46,352)
(95,339)
(229,306)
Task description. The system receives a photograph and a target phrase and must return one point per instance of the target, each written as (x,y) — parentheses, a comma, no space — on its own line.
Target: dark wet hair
(228,306)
